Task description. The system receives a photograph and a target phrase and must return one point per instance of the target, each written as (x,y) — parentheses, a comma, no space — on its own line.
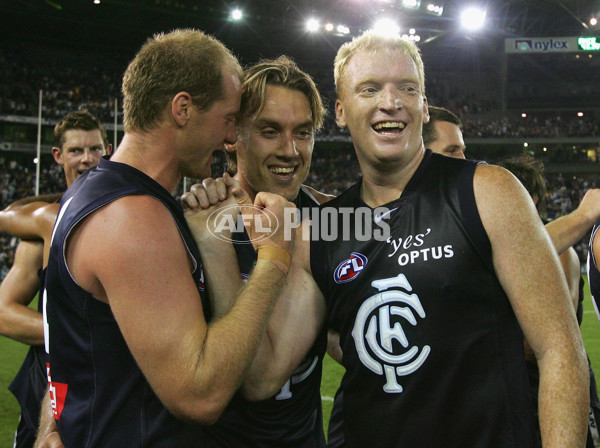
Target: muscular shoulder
(130,234)
(503,201)
(495,183)
(129,222)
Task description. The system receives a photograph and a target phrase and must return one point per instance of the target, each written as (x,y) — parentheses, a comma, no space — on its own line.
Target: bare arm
(141,268)
(292,330)
(567,230)
(219,260)
(47,436)
(528,269)
(17,320)
(297,316)
(47,198)
(571,267)
(33,220)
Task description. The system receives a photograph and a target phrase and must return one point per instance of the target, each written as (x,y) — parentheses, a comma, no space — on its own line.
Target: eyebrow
(266,122)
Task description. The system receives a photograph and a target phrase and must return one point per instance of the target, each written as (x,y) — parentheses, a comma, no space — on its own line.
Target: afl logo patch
(349,269)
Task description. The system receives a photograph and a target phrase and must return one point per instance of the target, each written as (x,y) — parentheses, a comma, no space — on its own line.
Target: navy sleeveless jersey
(30,383)
(293,418)
(432,349)
(100,396)
(593,272)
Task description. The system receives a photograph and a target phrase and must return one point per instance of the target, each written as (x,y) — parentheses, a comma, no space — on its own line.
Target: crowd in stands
(533,127)
(68,81)
(77,80)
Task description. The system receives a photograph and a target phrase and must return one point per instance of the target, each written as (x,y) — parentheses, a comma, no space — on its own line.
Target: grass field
(12,354)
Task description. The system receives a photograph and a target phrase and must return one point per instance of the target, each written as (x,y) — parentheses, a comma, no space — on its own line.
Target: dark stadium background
(76,52)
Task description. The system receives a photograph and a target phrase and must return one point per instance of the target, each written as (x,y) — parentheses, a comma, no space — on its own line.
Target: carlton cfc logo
(381,342)
(349,269)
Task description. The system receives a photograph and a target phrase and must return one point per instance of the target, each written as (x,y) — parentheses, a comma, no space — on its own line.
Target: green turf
(12,354)
(590,329)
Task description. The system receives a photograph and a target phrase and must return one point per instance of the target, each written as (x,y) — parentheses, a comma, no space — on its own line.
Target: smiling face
(383,107)
(81,150)
(274,148)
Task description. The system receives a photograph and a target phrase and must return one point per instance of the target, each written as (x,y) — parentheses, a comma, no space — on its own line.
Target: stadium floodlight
(411,4)
(236,14)
(472,18)
(329,27)
(412,31)
(343,29)
(434,9)
(594,21)
(96,2)
(580,114)
(312,25)
(386,27)
(523,115)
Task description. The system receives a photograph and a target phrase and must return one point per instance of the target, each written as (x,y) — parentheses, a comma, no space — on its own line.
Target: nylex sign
(541,45)
(551,44)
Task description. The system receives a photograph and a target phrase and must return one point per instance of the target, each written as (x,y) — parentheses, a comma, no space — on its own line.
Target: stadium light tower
(473,18)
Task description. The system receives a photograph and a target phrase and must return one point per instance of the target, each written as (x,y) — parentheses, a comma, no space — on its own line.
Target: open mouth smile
(388,127)
(283,172)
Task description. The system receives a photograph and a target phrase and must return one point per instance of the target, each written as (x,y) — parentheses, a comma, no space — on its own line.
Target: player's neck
(147,152)
(245,185)
(381,187)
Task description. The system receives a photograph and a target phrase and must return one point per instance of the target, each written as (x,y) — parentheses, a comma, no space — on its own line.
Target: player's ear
(57,154)
(181,108)
(109,149)
(426,110)
(339,114)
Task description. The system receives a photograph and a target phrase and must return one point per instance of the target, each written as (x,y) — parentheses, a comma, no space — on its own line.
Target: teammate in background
(80,142)
(281,110)
(452,270)
(130,351)
(593,267)
(530,173)
(443,133)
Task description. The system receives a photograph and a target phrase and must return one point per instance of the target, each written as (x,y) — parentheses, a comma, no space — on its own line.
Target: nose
(388,101)
(86,156)
(288,146)
(230,134)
